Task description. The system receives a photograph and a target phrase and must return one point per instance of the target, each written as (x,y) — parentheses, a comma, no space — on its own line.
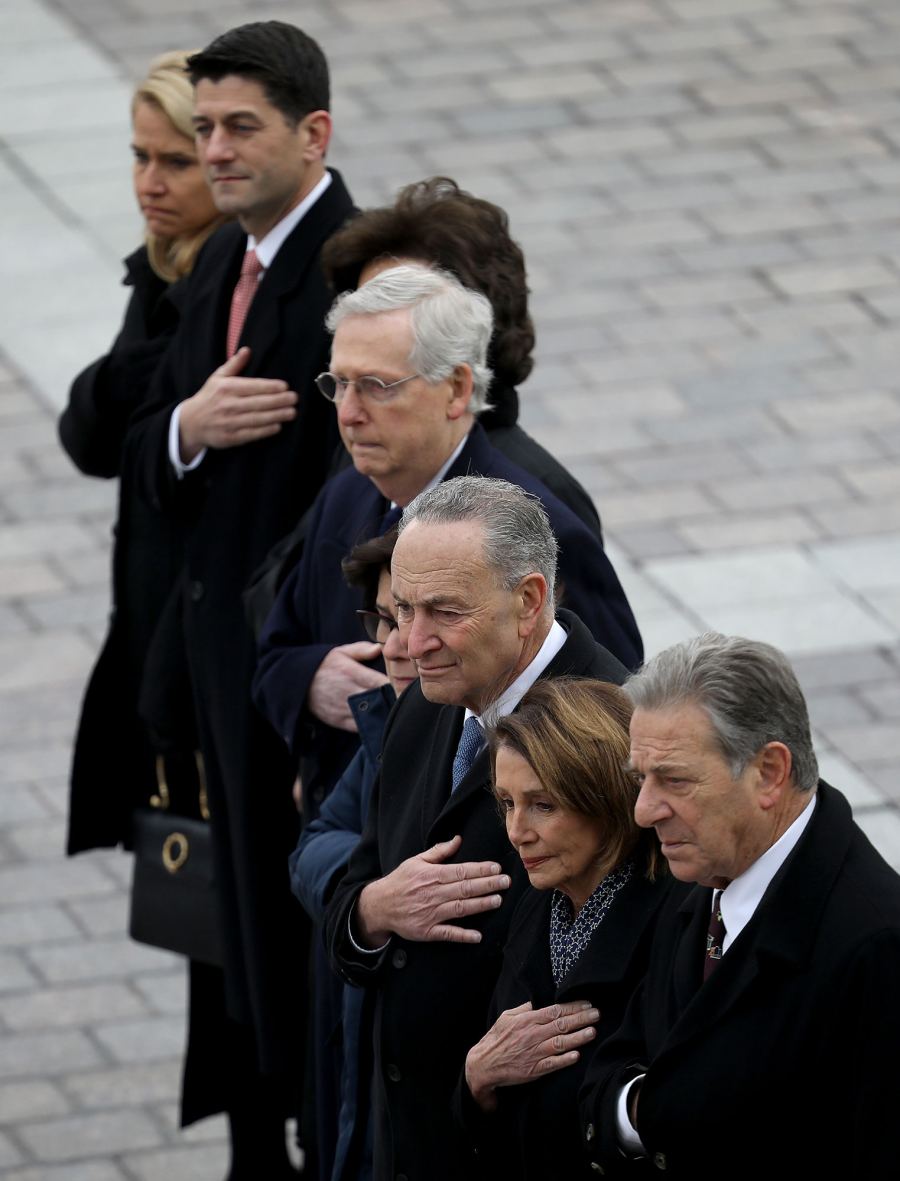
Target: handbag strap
(162,799)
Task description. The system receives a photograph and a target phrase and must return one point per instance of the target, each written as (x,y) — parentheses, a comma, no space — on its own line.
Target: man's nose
(649,807)
(217,146)
(419,637)
(350,408)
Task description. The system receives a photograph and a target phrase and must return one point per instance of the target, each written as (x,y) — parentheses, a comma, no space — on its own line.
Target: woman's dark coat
(112,765)
(535,1133)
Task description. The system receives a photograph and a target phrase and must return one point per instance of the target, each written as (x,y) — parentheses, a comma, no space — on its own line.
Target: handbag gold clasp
(162,799)
(175,851)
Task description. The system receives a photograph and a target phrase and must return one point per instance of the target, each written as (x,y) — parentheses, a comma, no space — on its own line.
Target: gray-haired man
(423,912)
(409,377)
(762,1041)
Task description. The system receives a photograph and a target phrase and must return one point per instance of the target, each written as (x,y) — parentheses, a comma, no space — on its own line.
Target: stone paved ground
(706,191)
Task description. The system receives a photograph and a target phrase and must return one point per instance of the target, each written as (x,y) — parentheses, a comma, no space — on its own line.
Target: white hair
(451,325)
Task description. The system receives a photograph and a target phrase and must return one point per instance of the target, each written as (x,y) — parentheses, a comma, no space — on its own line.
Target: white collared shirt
(266,249)
(741,897)
(442,470)
(510,698)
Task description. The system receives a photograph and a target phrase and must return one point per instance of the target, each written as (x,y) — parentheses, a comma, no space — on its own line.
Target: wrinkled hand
(524,1043)
(420,899)
(229,411)
(341,674)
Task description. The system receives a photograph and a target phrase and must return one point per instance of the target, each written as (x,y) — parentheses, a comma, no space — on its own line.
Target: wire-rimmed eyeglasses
(334,388)
(378,626)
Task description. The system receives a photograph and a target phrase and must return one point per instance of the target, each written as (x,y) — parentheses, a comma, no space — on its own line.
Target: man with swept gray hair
(758,1042)
(408,377)
(423,912)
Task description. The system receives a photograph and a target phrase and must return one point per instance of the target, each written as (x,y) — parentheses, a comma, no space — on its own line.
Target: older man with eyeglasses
(409,378)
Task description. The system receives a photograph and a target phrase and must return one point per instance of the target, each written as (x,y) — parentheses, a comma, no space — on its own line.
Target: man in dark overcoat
(422,914)
(425,338)
(762,1041)
(235,448)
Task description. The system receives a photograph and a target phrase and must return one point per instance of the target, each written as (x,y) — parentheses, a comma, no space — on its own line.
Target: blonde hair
(168,88)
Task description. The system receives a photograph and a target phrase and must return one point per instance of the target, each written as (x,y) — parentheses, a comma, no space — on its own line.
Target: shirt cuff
(356,946)
(629,1140)
(175,451)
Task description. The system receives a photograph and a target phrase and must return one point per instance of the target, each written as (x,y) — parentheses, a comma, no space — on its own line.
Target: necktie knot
(251,267)
(470,743)
(715,937)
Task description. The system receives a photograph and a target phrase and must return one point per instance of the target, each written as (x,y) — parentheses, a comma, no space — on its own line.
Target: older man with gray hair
(423,912)
(762,1040)
(408,377)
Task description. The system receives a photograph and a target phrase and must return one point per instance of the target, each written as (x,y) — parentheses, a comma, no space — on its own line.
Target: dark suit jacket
(315,608)
(535,1133)
(432,998)
(230,511)
(781,1064)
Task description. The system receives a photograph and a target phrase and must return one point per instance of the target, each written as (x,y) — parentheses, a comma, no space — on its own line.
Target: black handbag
(173,894)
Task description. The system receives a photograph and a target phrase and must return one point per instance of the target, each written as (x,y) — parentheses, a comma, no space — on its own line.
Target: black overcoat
(230,511)
(782,1063)
(112,764)
(432,998)
(535,1132)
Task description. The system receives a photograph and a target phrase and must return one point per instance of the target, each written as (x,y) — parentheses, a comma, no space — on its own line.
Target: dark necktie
(391,517)
(715,937)
(244,291)
(470,743)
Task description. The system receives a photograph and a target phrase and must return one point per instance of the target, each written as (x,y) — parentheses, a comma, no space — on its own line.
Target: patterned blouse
(570,935)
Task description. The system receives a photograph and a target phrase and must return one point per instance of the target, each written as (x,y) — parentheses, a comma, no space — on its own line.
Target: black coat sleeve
(104,396)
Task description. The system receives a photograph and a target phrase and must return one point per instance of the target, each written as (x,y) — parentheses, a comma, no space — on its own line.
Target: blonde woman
(113,765)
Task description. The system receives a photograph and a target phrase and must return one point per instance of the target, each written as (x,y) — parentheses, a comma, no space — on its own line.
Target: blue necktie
(470,743)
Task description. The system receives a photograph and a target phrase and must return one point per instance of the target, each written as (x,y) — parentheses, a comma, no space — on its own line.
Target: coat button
(589,1133)
(197,591)
(393,1073)
(659,1159)
(363,706)
(398,959)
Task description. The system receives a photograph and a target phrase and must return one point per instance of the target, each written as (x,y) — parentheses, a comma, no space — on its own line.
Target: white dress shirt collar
(510,698)
(266,248)
(442,470)
(742,896)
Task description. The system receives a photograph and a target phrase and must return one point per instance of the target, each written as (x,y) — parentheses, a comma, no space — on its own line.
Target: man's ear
(316,128)
(532,599)
(774,764)
(461,389)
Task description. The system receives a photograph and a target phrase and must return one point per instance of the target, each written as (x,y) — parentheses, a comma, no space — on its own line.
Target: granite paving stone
(86,1134)
(45,1053)
(30,1100)
(144,1040)
(94,1170)
(133,1085)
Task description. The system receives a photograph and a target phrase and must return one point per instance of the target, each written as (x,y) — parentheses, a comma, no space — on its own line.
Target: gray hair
(747,689)
(518,539)
(451,325)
